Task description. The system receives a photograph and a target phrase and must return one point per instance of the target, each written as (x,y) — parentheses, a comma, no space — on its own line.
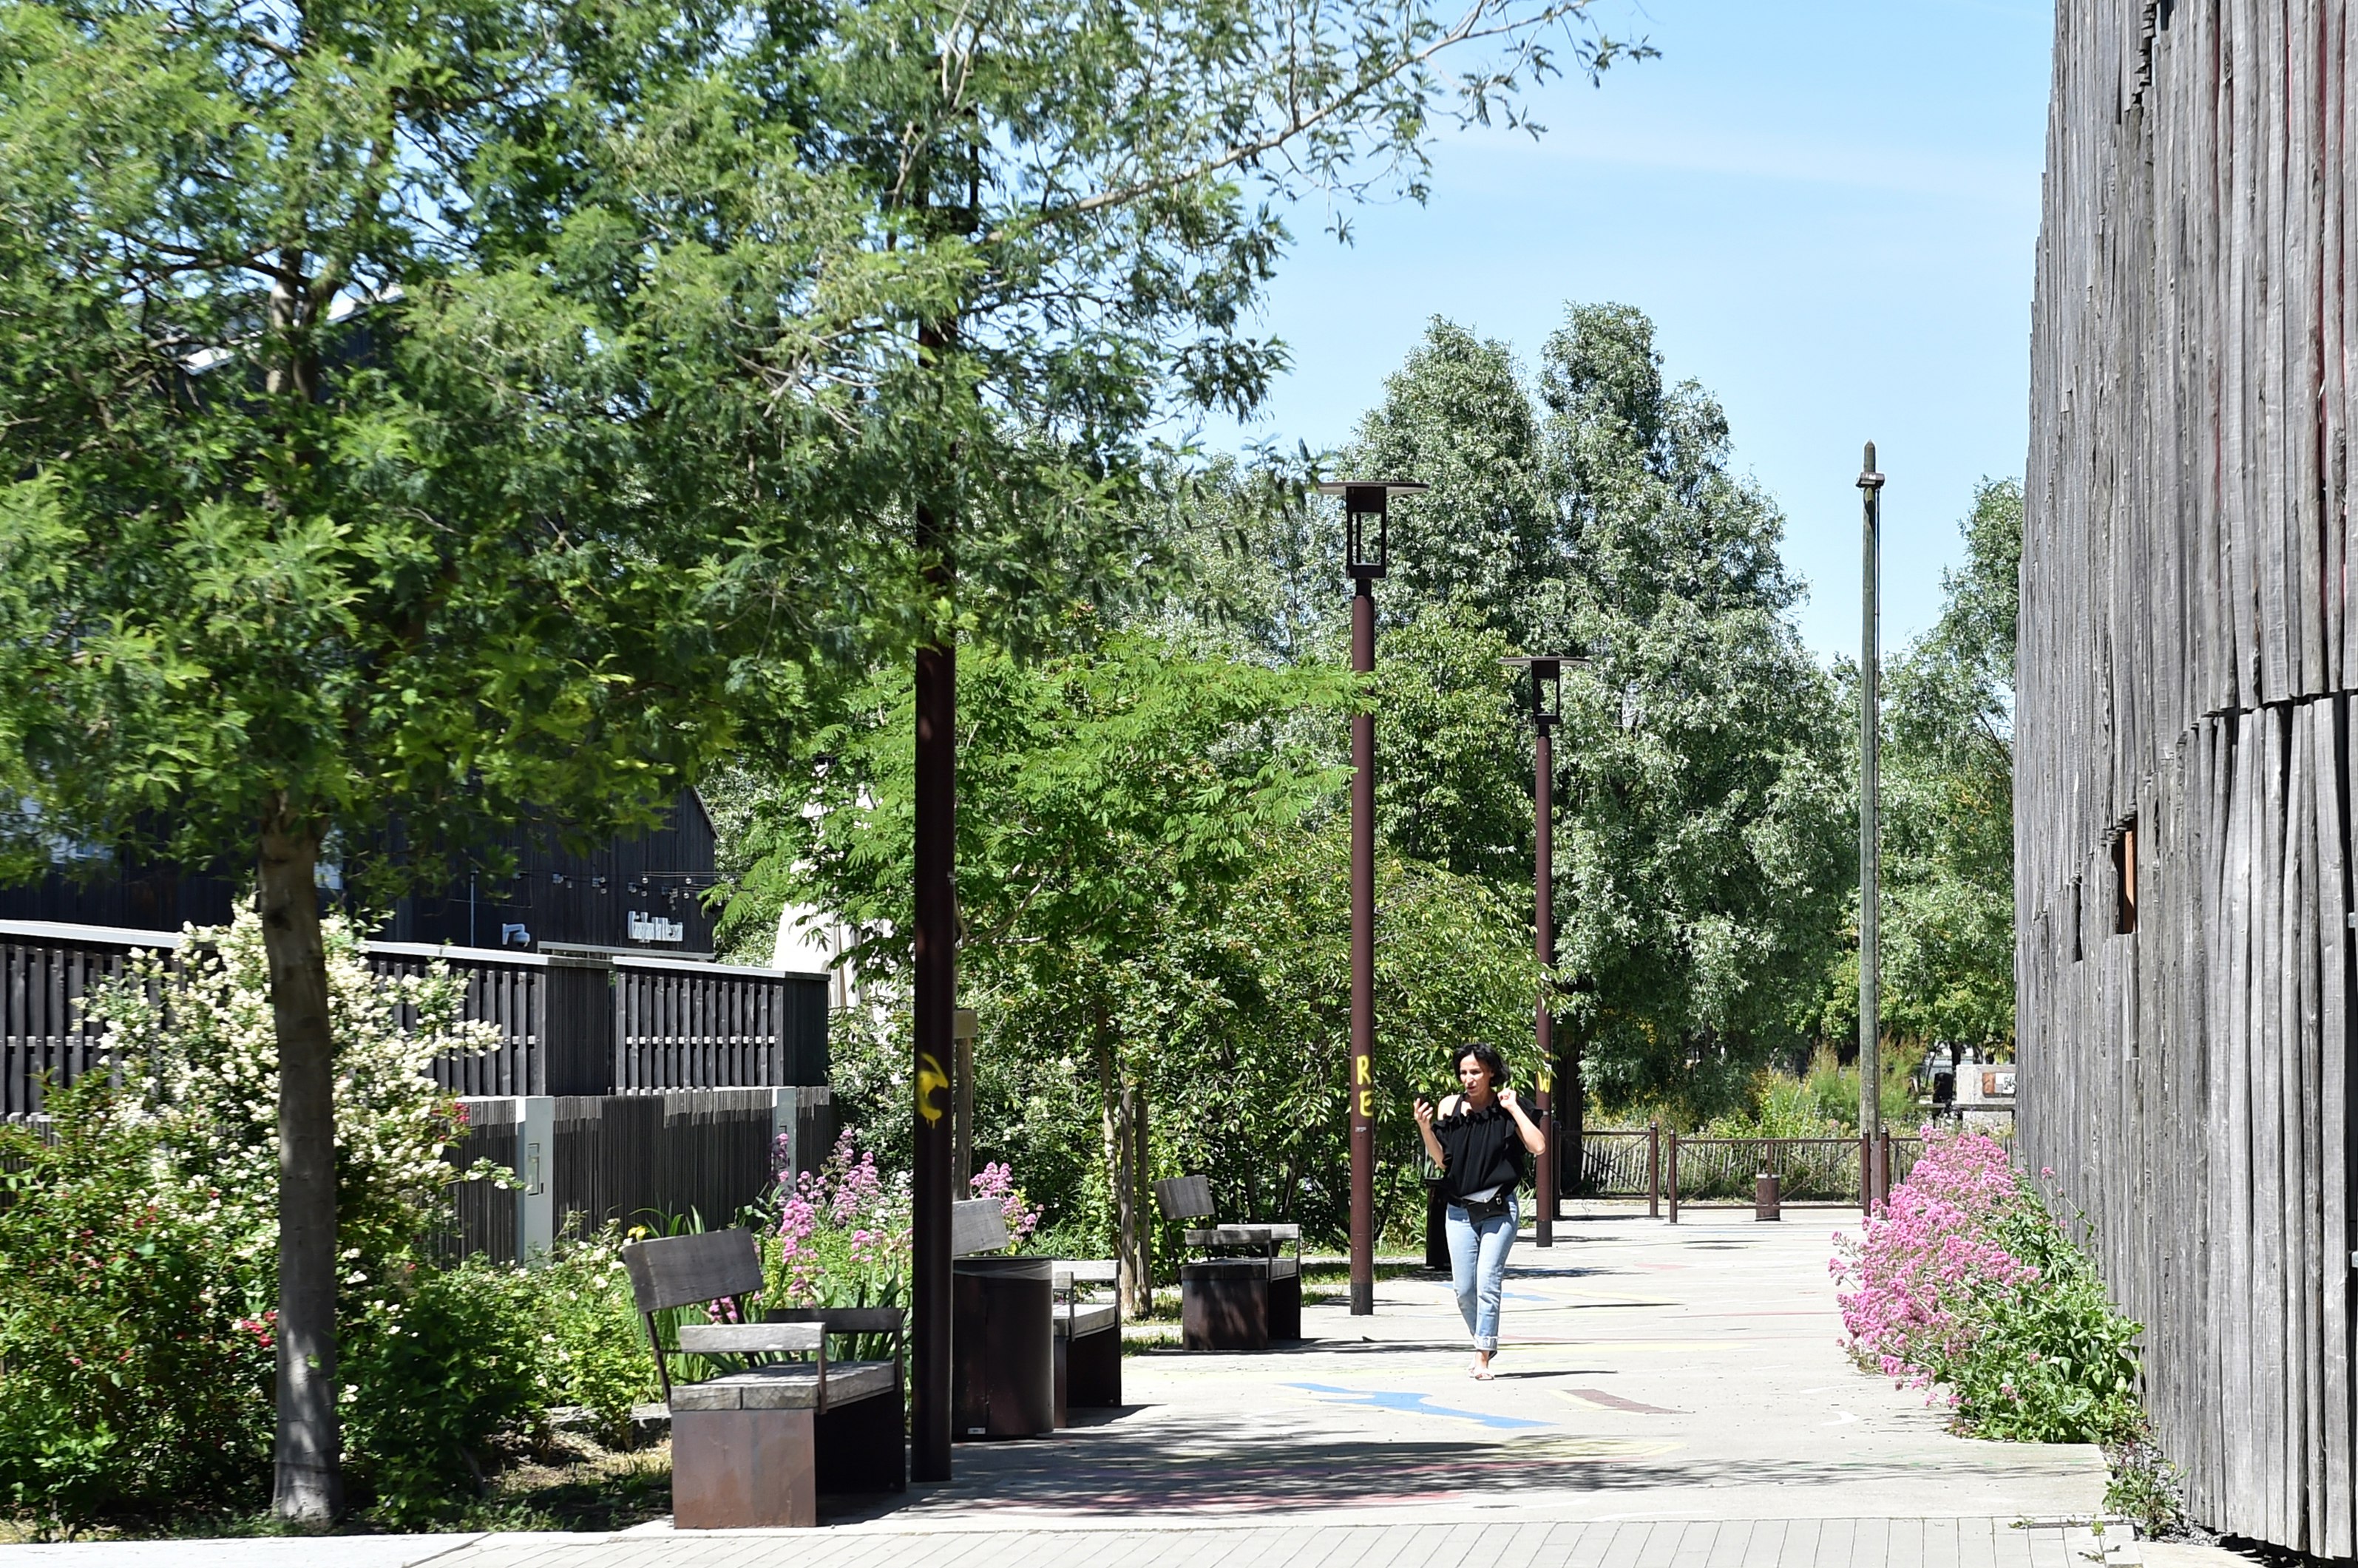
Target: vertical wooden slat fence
(563,1025)
(2188,657)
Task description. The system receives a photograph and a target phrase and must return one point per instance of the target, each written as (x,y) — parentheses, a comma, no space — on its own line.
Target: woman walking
(1478,1140)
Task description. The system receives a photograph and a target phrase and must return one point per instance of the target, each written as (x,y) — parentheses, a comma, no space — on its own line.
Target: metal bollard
(1768,1193)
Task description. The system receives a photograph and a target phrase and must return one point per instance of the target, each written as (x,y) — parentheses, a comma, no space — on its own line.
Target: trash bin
(1767,1196)
(1002,1348)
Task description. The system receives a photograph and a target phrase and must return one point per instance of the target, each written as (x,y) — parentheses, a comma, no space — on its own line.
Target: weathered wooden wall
(2186,664)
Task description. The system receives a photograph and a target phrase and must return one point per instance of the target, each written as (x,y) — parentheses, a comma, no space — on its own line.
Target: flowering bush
(842,1236)
(138,1249)
(1964,1279)
(136,1343)
(843,1232)
(198,1048)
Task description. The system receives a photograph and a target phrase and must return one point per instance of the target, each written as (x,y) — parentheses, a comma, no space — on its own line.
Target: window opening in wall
(2125,882)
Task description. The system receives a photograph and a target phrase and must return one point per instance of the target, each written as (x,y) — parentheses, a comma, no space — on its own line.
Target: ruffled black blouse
(1481,1149)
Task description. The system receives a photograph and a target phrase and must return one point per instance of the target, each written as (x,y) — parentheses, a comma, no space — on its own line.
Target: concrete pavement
(1666,1396)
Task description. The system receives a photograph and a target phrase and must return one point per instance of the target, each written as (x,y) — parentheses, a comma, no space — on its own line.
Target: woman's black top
(1483,1148)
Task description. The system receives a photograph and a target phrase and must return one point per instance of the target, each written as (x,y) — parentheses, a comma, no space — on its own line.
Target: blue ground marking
(1410,1404)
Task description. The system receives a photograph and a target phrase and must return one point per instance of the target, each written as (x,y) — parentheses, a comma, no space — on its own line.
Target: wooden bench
(1002,1331)
(1233,1303)
(1089,1340)
(754,1447)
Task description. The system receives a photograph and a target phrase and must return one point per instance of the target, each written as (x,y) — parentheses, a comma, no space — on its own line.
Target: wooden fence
(694,1156)
(567,1026)
(2189,652)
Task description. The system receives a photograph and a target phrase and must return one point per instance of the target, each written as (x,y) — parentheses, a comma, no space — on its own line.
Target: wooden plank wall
(2186,664)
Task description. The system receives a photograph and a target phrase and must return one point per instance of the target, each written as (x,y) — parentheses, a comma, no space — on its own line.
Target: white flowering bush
(138,1249)
(199,1053)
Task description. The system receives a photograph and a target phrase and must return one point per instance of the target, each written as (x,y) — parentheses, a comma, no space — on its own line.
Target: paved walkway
(1666,1397)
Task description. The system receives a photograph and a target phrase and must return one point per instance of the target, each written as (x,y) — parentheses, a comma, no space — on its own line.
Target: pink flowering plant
(1964,1280)
(842,1235)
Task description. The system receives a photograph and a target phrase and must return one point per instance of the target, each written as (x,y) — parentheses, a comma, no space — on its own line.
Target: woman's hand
(1423,1115)
(1507,1098)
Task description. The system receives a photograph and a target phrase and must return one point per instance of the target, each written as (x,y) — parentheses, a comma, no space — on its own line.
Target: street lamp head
(1868,477)
(1547,682)
(1364,498)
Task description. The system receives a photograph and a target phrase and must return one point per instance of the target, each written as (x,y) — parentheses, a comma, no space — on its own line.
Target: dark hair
(1494,1064)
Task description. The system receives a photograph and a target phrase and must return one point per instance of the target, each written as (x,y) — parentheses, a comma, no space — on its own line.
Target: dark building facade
(642,893)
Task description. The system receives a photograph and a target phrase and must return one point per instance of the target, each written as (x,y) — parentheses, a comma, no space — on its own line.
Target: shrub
(138,1249)
(138,1353)
(842,1235)
(1966,1280)
(437,1366)
(594,1343)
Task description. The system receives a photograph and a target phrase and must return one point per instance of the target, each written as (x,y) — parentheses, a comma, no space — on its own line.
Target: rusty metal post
(1865,1175)
(1366,558)
(1363,964)
(935,987)
(1653,1170)
(1674,1176)
(1544,899)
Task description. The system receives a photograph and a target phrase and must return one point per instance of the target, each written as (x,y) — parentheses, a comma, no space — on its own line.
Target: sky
(1830,211)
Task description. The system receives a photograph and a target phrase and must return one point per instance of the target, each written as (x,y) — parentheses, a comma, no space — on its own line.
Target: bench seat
(788,1385)
(1086,1319)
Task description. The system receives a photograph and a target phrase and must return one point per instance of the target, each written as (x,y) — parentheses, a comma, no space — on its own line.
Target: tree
(427,417)
(304,536)
(1949,797)
(1703,853)
(1457,417)
(1111,799)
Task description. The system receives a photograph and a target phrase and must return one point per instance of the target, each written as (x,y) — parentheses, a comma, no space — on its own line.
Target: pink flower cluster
(843,1229)
(1933,1250)
(997,1181)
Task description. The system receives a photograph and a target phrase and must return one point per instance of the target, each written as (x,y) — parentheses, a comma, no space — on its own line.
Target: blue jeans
(1478,1266)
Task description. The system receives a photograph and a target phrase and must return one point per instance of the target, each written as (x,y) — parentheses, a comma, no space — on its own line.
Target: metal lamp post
(1364,502)
(1875,1178)
(1547,712)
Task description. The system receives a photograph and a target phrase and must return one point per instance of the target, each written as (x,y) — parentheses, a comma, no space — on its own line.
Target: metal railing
(1664,1166)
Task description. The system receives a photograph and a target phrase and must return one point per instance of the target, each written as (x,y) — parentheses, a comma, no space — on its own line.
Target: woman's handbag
(1485,1210)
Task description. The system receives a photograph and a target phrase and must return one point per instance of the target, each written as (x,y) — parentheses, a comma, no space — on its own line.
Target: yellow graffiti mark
(1547,1080)
(930,1078)
(1366,1102)
(1367,1073)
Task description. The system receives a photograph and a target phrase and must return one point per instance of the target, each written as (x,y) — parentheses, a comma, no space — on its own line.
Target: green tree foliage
(1949,797)
(1457,416)
(1703,853)
(1453,768)
(425,417)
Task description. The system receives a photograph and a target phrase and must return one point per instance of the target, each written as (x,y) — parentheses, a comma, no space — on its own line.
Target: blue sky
(1830,211)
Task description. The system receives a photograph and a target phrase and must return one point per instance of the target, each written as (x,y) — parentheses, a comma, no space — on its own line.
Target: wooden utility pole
(1870,821)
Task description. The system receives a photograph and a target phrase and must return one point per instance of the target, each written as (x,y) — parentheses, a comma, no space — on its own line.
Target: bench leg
(1096,1376)
(1285,1309)
(1226,1313)
(861,1446)
(742,1469)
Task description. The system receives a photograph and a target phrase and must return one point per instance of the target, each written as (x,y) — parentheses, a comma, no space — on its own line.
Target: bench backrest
(684,1270)
(977,1225)
(1185,1197)
(844,1320)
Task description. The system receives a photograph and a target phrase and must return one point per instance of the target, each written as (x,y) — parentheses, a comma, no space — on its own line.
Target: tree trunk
(1118,1129)
(308,1484)
(1143,1206)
